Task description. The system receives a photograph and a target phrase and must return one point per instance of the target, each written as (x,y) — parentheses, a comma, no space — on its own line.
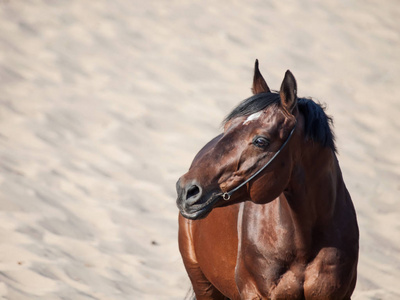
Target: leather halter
(227,195)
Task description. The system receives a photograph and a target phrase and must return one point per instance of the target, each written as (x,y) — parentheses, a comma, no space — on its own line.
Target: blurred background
(103,105)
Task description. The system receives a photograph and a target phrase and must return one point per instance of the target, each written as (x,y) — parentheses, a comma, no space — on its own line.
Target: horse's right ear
(288,92)
(259,84)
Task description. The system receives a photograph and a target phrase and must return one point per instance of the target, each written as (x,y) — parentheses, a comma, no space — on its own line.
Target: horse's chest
(269,275)
(267,266)
(275,262)
(264,238)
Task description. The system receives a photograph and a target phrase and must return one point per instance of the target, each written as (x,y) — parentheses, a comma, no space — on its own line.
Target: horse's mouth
(198,211)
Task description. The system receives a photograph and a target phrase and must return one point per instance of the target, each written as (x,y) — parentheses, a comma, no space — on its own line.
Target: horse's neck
(315,182)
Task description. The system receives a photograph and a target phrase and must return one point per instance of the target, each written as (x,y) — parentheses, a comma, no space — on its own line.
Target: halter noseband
(227,195)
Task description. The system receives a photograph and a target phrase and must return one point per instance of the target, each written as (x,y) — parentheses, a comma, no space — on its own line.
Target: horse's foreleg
(203,289)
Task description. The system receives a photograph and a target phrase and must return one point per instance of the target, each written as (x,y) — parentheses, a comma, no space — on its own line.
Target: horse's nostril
(192,191)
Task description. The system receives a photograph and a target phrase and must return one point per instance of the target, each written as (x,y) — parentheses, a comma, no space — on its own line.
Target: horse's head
(226,170)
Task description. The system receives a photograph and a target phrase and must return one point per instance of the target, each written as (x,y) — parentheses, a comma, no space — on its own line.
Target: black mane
(318,126)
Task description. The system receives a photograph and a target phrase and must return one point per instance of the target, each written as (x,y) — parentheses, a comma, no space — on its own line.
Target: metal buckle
(226,196)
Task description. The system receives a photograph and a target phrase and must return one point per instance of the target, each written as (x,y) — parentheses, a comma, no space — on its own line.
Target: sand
(103,105)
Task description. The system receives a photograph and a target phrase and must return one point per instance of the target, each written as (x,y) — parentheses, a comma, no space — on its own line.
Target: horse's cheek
(273,182)
(257,191)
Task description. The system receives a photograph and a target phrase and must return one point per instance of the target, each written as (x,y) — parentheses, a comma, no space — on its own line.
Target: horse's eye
(261,142)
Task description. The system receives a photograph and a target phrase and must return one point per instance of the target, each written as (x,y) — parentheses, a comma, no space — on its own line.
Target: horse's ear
(259,84)
(288,92)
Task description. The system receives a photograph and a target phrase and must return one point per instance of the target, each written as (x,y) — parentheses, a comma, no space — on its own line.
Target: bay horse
(264,210)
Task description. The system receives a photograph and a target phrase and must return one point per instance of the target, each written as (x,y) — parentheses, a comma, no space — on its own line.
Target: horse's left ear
(288,92)
(259,84)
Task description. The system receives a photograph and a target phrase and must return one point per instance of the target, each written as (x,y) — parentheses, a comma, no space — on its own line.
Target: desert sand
(103,105)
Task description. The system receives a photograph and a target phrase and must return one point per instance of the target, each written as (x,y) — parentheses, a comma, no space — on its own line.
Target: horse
(264,210)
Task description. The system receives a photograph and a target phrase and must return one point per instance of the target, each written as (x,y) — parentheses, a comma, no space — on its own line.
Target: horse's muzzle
(191,201)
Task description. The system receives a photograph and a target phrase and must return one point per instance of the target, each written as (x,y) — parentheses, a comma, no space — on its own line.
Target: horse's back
(209,251)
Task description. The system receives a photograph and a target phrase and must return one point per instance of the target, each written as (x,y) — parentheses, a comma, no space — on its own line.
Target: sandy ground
(103,104)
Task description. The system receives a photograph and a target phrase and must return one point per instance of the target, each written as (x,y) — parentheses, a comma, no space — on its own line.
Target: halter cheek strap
(226,196)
